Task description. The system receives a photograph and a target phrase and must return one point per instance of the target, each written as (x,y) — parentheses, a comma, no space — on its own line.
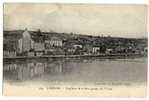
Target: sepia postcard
(53,49)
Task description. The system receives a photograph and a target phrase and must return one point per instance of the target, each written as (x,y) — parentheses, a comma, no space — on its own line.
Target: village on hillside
(38,43)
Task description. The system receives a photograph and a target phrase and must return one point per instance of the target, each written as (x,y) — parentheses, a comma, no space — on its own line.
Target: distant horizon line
(76,33)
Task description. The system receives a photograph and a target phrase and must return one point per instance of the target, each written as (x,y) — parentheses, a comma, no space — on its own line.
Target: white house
(95,49)
(54,41)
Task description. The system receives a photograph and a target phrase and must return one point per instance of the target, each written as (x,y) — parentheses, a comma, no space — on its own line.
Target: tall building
(25,43)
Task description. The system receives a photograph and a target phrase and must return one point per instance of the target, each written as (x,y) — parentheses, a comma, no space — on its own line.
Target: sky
(91,19)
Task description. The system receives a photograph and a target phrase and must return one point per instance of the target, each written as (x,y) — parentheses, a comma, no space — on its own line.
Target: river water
(77,70)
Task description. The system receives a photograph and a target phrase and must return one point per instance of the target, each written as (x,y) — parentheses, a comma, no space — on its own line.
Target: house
(53,45)
(96,50)
(10,43)
(120,49)
(9,53)
(39,53)
(109,50)
(54,42)
(69,50)
(49,51)
(31,53)
(39,46)
(48,48)
(9,47)
(87,48)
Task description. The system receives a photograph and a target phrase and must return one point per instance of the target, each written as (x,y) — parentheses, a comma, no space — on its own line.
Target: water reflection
(77,69)
(24,71)
(29,70)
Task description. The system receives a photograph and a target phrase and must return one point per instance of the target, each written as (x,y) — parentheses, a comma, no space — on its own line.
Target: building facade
(54,41)
(25,43)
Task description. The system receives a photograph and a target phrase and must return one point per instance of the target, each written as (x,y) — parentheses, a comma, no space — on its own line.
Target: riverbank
(79,56)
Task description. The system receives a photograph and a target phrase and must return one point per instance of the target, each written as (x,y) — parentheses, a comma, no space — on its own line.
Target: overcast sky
(114,20)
